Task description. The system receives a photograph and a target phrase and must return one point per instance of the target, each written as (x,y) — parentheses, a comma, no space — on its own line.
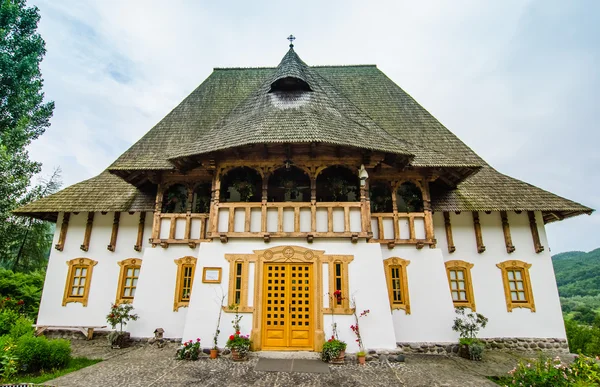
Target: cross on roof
(291,38)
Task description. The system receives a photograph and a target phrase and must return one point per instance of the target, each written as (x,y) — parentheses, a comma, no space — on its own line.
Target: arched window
(381,197)
(175,199)
(201,199)
(241,184)
(409,198)
(338,184)
(289,185)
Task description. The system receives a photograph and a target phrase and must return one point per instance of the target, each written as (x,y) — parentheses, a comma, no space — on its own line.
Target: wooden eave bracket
(420,245)
(310,238)
(267,238)
(534,233)
(478,235)
(223,238)
(354,238)
(115,231)
(510,248)
(63,232)
(88,232)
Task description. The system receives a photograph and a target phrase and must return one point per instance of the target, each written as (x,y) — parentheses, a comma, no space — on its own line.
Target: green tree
(24,115)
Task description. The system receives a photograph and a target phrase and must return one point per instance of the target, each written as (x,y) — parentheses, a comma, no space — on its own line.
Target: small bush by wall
(38,353)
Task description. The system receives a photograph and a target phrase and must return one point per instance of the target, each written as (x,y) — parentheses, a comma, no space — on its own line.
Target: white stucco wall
(546,321)
(103,286)
(432,311)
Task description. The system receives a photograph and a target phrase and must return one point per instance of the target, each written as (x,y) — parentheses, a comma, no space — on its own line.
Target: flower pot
(340,358)
(361,360)
(214,353)
(119,340)
(236,356)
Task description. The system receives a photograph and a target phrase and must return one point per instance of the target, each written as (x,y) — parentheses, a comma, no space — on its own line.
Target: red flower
(185,344)
(7,298)
(21,302)
(237,333)
(232,337)
(198,340)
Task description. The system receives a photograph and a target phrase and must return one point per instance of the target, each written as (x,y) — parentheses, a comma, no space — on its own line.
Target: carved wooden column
(263,207)
(478,236)
(213,218)
(140,233)
(449,237)
(365,200)
(157,211)
(506,229)
(534,232)
(115,232)
(88,232)
(63,232)
(393,187)
(429,233)
(313,203)
(188,213)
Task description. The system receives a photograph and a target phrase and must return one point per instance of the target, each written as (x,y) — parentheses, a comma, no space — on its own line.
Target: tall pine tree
(24,115)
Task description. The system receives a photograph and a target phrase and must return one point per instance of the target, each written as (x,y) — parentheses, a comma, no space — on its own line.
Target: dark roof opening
(289,84)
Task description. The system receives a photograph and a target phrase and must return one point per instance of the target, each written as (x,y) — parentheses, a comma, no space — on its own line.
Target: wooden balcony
(290,220)
(186,228)
(408,228)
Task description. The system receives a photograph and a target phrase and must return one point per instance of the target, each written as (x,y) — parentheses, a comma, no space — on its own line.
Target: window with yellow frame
(79,278)
(239,271)
(128,279)
(186,268)
(517,285)
(397,283)
(461,286)
(339,297)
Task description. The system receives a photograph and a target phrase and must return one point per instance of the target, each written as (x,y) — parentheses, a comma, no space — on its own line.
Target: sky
(518,81)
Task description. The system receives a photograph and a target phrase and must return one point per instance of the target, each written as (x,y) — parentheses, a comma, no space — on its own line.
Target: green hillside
(578,278)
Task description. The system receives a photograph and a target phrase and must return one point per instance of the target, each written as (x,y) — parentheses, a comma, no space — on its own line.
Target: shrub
(38,353)
(7,320)
(468,325)
(8,359)
(545,372)
(22,327)
(60,354)
(32,352)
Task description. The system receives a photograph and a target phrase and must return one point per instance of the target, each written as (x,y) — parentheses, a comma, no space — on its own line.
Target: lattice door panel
(300,306)
(287,310)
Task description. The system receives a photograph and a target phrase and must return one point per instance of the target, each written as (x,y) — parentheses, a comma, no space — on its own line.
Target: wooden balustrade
(288,220)
(184,228)
(387,228)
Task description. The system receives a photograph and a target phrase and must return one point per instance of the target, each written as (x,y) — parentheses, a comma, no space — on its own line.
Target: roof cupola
(290,75)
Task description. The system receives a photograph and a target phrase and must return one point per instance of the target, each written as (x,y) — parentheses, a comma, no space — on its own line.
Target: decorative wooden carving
(63,232)
(223,238)
(449,237)
(115,232)
(88,232)
(506,229)
(534,232)
(478,236)
(140,233)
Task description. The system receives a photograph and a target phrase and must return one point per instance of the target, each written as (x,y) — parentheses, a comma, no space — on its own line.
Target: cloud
(515,80)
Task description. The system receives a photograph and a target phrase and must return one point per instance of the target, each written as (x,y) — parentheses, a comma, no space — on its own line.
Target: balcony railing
(289,219)
(188,229)
(414,228)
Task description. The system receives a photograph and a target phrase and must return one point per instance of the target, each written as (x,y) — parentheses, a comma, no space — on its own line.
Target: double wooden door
(288,308)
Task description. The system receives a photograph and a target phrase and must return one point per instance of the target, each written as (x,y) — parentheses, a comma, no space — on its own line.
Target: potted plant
(190,350)
(119,315)
(361,354)
(334,351)
(239,345)
(468,325)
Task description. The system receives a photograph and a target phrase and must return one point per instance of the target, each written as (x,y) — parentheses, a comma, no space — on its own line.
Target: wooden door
(288,307)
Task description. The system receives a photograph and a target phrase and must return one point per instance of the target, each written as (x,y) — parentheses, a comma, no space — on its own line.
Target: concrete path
(150,366)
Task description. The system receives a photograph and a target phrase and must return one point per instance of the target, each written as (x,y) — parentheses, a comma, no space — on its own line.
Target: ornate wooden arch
(287,254)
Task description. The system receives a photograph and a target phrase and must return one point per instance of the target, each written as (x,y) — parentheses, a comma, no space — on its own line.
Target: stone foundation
(500,343)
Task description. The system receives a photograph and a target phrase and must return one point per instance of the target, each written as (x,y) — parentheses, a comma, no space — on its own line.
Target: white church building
(278,187)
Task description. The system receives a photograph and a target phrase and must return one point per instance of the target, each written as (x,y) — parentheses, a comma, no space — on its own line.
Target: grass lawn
(75,364)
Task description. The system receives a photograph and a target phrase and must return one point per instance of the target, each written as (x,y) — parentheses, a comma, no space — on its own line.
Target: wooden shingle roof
(357,106)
